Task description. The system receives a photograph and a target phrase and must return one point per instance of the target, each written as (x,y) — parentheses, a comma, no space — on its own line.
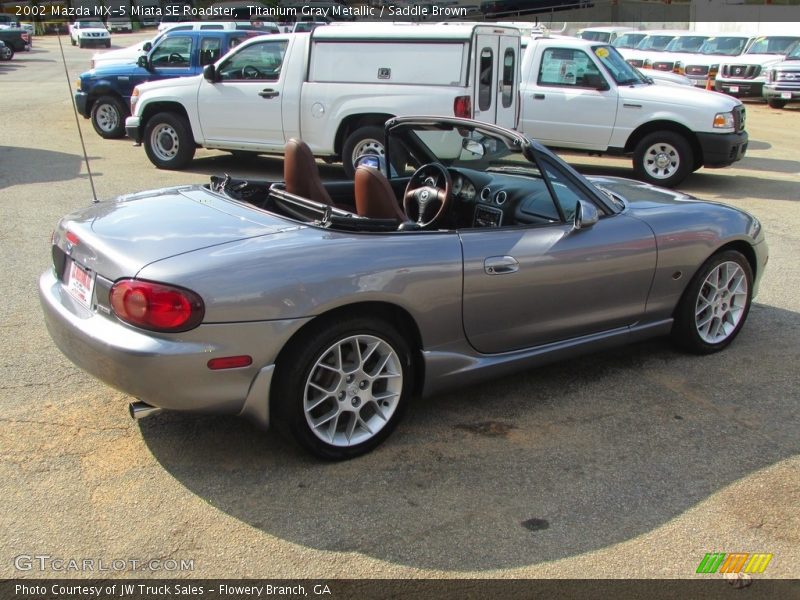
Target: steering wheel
(175,58)
(430,183)
(250,72)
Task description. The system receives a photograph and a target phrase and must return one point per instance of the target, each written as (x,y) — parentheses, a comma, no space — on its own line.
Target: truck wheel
(72,40)
(108,44)
(663,158)
(10,53)
(776,103)
(364,140)
(108,117)
(80,43)
(168,141)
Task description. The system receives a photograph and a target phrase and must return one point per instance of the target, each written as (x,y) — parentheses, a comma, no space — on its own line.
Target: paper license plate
(734,88)
(786,95)
(80,283)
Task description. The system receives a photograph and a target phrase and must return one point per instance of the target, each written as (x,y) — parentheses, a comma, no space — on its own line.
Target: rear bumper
(169,371)
(133,129)
(722,149)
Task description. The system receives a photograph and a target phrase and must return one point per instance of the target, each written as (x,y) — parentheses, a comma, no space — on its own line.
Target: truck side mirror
(147,47)
(210,73)
(143,62)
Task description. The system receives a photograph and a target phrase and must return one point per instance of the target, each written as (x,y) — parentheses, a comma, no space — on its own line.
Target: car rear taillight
(462,107)
(156,306)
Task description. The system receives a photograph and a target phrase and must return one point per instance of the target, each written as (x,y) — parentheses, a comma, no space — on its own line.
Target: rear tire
(11,53)
(342,388)
(663,158)
(715,305)
(108,117)
(776,103)
(168,141)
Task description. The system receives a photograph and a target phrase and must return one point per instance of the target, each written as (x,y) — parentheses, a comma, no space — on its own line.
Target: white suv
(87,33)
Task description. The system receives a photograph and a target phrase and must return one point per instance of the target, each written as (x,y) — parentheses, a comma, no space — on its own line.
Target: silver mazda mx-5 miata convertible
(465,252)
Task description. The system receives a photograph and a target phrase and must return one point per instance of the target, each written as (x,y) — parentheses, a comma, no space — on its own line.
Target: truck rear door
(496,67)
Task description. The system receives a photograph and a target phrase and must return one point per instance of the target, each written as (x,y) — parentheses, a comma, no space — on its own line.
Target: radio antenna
(77,121)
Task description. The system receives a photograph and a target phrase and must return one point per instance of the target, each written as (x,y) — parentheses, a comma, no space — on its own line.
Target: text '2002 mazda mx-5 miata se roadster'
(464,253)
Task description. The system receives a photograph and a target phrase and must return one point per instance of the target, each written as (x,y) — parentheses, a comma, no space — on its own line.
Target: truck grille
(636,62)
(741,71)
(663,66)
(696,70)
(739,117)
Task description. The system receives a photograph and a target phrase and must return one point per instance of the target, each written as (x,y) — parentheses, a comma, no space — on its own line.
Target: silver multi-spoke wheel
(164,141)
(353,390)
(661,160)
(721,303)
(107,117)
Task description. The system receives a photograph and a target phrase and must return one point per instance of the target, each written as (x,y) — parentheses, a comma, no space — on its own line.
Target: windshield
(794,52)
(595,36)
(90,25)
(771,45)
(628,40)
(618,68)
(726,46)
(655,42)
(686,43)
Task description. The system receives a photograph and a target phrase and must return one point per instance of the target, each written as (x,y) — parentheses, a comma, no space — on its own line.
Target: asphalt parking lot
(632,463)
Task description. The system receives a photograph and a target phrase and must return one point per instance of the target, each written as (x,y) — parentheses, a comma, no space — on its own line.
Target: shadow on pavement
(32,165)
(535,467)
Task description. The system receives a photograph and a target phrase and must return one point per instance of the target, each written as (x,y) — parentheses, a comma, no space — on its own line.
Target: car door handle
(269,93)
(500,265)
(538,96)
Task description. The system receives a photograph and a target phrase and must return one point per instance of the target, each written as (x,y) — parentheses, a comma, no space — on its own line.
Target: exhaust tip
(142,410)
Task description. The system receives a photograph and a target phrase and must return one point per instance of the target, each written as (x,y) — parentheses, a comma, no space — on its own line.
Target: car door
(566,108)
(244,105)
(525,286)
(496,82)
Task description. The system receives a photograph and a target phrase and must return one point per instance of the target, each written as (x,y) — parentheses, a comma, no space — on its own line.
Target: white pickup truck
(582,95)
(334,88)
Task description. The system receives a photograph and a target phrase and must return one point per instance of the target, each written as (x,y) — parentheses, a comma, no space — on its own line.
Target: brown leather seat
(301,174)
(374,195)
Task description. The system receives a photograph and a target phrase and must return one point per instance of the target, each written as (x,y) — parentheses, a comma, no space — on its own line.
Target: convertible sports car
(466,252)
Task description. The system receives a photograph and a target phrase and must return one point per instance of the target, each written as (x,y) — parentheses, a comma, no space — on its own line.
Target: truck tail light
(462,107)
(156,306)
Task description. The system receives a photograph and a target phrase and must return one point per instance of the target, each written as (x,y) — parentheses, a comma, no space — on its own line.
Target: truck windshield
(794,52)
(655,42)
(686,43)
(621,71)
(628,40)
(726,46)
(771,45)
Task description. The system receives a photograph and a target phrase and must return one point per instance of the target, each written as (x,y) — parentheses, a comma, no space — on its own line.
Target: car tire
(108,44)
(80,43)
(351,376)
(776,103)
(168,141)
(10,53)
(663,158)
(364,140)
(709,315)
(108,117)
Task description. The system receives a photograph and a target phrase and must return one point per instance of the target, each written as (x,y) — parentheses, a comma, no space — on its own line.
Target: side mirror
(586,215)
(210,73)
(147,47)
(143,62)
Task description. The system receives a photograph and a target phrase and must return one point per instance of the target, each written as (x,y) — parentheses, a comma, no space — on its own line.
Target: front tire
(714,307)
(343,388)
(776,103)
(663,158)
(72,41)
(168,141)
(10,53)
(364,140)
(80,43)
(108,117)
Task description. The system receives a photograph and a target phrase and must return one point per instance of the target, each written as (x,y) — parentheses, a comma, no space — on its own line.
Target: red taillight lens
(462,107)
(156,306)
